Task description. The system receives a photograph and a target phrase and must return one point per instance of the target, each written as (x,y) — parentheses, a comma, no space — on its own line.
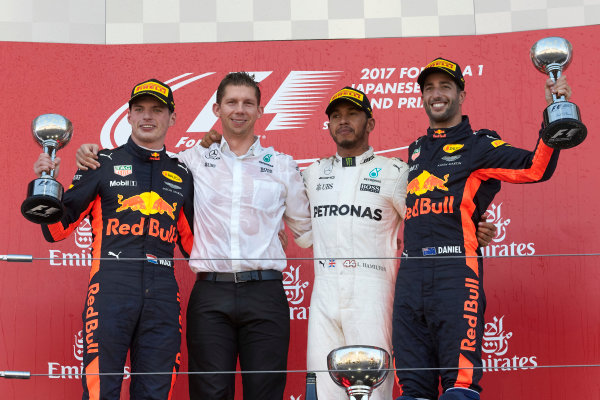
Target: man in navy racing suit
(140,205)
(454,174)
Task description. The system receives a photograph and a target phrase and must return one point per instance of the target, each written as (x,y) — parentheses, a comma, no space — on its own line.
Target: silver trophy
(359,369)
(562,127)
(43,204)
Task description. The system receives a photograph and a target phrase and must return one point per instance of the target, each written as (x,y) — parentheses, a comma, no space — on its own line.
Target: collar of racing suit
(460,129)
(145,154)
(354,161)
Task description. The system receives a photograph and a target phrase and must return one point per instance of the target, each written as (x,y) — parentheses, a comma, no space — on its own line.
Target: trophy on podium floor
(563,128)
(43,204)
(358,369)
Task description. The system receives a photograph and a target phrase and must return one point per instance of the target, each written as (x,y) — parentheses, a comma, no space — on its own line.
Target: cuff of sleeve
(305,240)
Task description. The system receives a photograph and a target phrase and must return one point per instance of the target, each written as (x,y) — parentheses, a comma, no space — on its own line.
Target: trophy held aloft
(43,204)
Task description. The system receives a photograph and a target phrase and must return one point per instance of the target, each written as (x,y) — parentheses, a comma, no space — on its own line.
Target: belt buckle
(238,280)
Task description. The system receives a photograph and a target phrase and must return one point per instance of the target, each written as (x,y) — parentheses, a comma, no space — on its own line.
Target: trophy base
(563,128)
(43,204)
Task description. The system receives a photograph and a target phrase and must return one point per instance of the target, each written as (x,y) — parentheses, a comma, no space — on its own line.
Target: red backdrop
(541,310)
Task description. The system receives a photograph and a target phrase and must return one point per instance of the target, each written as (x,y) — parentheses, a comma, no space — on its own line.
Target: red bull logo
(147,203)
(426,182)
(114,227)
(155,156)
(426,205)
(469,343)
(439,133)
(91,319)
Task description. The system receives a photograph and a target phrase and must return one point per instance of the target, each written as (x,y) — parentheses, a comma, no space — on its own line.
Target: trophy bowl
(358,369)
(52,127)
(552,50)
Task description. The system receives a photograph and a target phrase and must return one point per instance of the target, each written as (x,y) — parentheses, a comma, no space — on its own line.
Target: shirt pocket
(267,195)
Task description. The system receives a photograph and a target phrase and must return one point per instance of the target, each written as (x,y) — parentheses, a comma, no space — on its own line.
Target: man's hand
(44,164)
(211,137)
(559,88)
(283,239)
(485,231)
(87,156)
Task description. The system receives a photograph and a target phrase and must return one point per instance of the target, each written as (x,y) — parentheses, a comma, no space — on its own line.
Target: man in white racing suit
(357,204)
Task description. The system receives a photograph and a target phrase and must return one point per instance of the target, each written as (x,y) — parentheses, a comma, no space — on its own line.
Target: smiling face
(149,119)
(442,100)
(238,110)
(350,127)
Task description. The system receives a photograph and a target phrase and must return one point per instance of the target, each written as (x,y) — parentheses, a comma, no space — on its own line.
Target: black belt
(239,277)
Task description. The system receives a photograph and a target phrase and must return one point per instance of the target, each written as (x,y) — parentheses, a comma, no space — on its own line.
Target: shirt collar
(254,150)
(441,133)
(354,161)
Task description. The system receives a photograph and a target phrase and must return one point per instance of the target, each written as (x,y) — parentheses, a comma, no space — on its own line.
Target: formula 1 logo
(294,103)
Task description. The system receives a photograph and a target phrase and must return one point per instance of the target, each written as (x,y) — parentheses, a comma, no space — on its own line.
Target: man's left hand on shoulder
(211,137)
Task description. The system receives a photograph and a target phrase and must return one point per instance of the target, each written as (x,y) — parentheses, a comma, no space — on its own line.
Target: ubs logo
(324,186)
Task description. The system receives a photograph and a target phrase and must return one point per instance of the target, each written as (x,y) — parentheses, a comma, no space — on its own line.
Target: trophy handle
(555,71)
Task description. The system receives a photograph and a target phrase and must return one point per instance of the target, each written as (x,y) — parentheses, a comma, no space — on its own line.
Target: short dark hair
(238,79)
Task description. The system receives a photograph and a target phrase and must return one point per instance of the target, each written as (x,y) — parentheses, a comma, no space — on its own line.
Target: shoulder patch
(498,142)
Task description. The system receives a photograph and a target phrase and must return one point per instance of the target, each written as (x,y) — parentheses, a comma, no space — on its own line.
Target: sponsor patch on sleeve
(498,143)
